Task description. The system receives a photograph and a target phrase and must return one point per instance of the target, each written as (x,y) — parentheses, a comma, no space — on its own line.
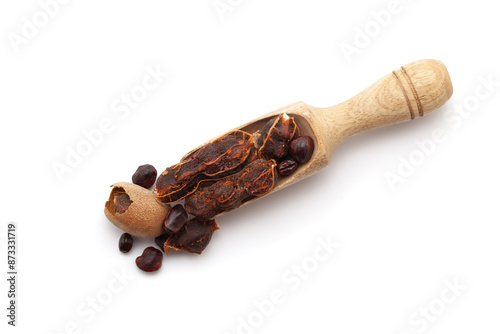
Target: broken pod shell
(135,210)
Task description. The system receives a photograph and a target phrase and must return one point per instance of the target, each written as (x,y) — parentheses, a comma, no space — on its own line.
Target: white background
(398,247)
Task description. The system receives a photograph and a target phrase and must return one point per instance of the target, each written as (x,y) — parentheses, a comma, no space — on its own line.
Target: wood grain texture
(407,93)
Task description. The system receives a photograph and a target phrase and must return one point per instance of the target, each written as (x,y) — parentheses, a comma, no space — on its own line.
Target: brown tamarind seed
(287,166)
(144,176)
(301,149)
(176,218)
(125,243)
(150,260)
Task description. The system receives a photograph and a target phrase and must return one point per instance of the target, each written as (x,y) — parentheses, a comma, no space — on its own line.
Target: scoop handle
(410,92)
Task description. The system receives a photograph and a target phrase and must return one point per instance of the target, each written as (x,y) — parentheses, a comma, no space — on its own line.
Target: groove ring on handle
(414,91)
(404,92)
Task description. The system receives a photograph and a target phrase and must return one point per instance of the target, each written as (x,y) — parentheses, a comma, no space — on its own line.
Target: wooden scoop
(408,93)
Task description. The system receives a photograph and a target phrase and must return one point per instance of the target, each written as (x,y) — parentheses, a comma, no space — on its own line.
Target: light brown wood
(407,93)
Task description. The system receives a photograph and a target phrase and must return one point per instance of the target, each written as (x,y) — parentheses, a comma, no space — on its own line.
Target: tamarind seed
(301,149)
(176,218)
(125,243)
(287,166)
(144,176)
(150,260)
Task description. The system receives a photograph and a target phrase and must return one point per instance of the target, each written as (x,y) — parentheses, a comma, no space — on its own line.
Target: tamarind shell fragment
(134,210)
